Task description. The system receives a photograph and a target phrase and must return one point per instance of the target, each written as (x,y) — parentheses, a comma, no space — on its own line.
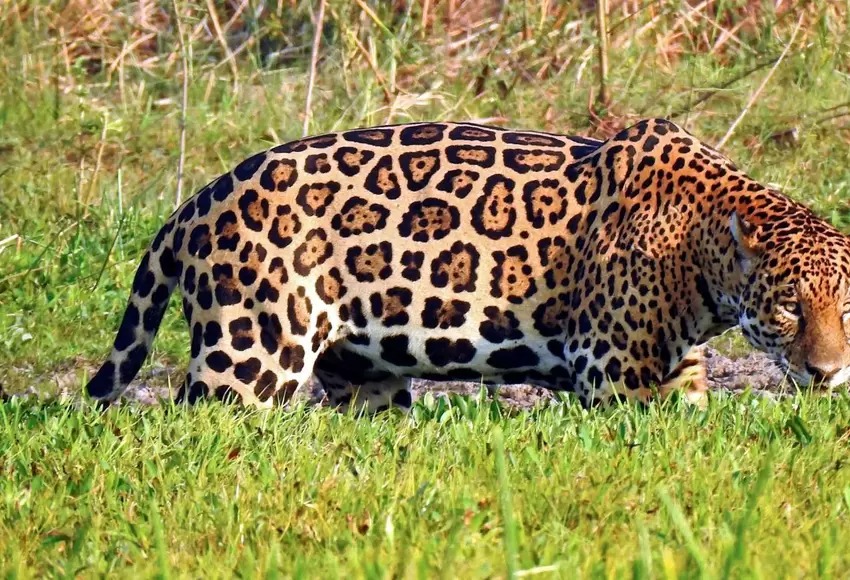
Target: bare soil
(753,371)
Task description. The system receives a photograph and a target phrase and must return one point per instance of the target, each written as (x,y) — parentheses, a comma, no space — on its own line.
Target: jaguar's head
(794,298)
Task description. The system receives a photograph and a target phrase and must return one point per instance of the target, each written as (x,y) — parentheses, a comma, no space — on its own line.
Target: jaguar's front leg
(641,382)
(689,377)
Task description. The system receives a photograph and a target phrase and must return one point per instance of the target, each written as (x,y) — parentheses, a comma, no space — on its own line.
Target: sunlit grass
(744,485)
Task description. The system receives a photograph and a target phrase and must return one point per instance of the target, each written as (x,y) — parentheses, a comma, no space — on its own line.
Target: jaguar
(457,251)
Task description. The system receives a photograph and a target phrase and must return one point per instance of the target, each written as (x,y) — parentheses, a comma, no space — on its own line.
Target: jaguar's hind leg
(369,397)
(253,357)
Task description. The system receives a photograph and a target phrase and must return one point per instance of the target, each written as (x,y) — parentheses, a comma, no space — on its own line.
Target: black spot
(378,137)
(473,155)
(274,180)
(317,163)
(189,280)
(219,361)
(267,292)
(187,212)
(519,138)
(145,280)
(595,377)
(226,290)
(246,170)
(254,210)
(265,386)
(222,187)
(357,316)
(500,326)
(394,351)
(199,242)
(472,133)
(428,218)
(419,167)
(511,358)
(204,202)
(197,339)
(403,398)
(556,347)
(270,331)
(204,291)
(227,395)
(612,369)
(212,333)
(444,315)
(101,384)
(241,333)
(127,332)
(364,156)
(601,349)
(153,316)
(168,265)
(382,180)
(525,160)
(246,371)
(650,143)
(177,244)
(452,182)
(247,276)
(160,295)
(197,391)
(292,357)
(442,351)
(131,365)
(422,134)
(580,363)
(412,262)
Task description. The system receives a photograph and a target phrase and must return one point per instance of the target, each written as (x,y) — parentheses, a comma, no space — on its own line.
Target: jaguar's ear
(745,234)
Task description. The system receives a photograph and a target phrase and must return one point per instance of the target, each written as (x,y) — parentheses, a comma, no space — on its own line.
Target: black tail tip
(103,383)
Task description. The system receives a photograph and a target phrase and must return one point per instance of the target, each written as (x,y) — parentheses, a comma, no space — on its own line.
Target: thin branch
(184,104)
(723,86)
(761,87)
(223,42)
(602,32)
(314,57)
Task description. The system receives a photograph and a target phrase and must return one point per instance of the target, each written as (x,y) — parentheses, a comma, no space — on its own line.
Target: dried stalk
(761,87)
(314,57)
(602,32)
(223,42)
(178,198)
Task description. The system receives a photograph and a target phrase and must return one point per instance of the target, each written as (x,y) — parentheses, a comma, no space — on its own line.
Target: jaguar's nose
(821,375)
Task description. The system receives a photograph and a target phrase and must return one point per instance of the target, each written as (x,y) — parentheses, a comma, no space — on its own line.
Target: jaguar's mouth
(806,380)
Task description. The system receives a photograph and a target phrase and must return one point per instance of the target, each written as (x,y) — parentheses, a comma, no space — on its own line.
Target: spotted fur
(457,251)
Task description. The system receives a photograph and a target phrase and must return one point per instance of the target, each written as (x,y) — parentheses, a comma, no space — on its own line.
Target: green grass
(88,156)
(746,487)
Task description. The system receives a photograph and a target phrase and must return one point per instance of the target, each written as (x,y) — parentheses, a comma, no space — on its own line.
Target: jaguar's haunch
(458,251)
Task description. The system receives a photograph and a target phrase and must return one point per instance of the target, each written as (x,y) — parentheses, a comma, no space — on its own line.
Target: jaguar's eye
(790,309)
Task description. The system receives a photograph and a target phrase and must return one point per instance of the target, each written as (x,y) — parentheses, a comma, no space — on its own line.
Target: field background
(101,102)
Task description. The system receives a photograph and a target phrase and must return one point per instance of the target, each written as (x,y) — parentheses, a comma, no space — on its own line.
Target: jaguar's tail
(153,284)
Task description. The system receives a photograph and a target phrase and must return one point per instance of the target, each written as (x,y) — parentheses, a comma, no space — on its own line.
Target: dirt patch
(753,371)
